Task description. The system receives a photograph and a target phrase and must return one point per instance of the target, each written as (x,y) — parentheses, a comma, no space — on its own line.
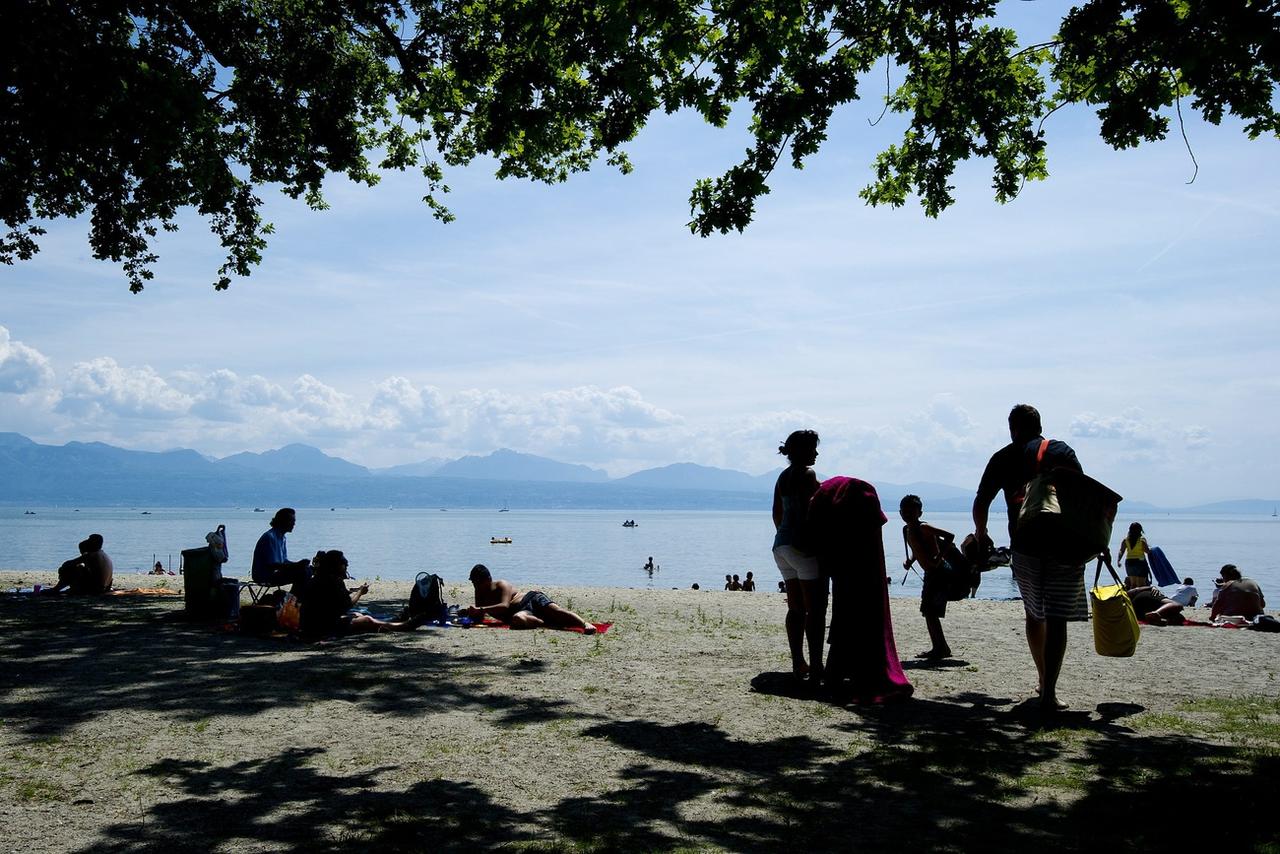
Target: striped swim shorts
(1050,589)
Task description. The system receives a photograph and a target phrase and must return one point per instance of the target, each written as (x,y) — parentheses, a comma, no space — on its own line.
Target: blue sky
(583,322)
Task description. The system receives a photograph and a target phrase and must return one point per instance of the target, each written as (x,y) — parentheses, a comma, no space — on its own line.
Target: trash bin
(202,585)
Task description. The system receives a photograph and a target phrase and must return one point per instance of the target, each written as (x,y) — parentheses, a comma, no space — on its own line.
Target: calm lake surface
(558,547)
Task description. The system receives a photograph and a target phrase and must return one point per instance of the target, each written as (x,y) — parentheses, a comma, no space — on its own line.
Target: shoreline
(121,725)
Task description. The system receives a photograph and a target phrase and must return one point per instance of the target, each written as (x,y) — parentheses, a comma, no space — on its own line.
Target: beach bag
(217,541)
(1115,625)
(963,579)
(289,614)
(1065,515)
(427,597)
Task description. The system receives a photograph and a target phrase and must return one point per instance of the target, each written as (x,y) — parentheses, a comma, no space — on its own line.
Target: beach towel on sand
(144,591)
(601,628)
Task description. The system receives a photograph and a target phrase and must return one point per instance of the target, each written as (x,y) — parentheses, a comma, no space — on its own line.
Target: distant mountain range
(93,473)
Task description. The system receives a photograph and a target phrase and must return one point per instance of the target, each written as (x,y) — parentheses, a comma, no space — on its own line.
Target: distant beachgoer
(1151,604)
(806,590)
(922,543)
(1186,593)
(1052,588)
(1237,596)
(782,587)
(735,584)
(89,574)
(749,583)
(695,586)
(1134,550)
(326,602)
(728,582)
(499,599)
(271,564)
(158,569)
(649,567)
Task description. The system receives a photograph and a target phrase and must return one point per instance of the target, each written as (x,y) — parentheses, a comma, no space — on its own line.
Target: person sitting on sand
(326,602)
(1185,594)
(1237,596)
(497,598)
(271,564)
(1151,604)
(922,543)
(90,574)
(749,583)
(158,569)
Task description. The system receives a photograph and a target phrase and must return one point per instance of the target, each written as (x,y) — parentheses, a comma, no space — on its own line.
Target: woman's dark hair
(1135,534)
(330,563)
(800,440)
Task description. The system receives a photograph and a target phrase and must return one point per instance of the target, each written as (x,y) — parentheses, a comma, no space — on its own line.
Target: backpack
(1065,514)
(427,597)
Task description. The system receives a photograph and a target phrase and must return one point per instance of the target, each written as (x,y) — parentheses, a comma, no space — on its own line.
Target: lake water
(558,547)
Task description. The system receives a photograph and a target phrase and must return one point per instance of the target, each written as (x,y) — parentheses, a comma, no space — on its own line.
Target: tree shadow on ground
(79,659)
(285,803)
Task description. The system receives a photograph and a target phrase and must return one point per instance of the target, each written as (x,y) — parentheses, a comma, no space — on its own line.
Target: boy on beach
(921,540)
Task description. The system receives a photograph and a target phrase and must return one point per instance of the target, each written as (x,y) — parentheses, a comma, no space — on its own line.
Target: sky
(584,322)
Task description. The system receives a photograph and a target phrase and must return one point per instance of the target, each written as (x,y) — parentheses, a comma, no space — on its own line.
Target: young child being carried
(922,545)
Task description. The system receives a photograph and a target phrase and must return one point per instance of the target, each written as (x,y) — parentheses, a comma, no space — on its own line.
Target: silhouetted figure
(749,583)
(497,598)
(734,584)
(846,525)
(1052,589)
(651,567)
(89,574)
(922,542)
(271,564)
(327,602)
(1151,604)
(806,590)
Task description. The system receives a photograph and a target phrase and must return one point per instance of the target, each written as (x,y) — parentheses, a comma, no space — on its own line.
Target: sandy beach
(123,728)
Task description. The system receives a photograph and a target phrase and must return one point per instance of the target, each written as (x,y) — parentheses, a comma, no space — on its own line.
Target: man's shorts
(795,564)
(1050,589)
(535,602)
(933,596)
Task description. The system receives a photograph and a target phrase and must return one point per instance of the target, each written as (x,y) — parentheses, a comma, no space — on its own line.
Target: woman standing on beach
(806,592)
(1133,551)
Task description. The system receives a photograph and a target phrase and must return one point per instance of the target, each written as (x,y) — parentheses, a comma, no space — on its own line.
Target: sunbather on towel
(497,598)
(1151,604)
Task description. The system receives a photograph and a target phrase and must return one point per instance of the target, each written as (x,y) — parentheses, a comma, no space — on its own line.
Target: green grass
(36,790)
(1247,721)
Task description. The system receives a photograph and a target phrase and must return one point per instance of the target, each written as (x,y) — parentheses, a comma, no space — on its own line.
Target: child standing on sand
(922,544)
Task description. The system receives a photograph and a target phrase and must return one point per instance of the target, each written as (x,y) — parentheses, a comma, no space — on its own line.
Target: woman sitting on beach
(806,591)
(1133,550)
(327,602)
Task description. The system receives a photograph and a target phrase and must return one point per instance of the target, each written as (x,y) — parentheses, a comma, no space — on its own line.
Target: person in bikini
(497,598)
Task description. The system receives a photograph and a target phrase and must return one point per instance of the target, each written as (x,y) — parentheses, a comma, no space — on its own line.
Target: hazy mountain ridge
(99,474)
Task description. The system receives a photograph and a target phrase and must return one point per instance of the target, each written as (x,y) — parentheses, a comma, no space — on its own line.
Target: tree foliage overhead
(132,111)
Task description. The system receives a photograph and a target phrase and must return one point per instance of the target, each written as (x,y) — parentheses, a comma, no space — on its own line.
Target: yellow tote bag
(1115,625)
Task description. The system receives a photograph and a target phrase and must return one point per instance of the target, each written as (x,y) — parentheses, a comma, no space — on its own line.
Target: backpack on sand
(427,597)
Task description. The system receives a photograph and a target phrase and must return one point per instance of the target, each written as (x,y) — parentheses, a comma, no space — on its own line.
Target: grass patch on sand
(1252,722)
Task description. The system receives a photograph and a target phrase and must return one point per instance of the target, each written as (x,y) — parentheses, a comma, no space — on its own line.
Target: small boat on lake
(499,541)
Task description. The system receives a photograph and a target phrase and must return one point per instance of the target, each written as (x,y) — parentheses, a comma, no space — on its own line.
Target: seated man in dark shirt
(499,599)
(90,574)
(271,564)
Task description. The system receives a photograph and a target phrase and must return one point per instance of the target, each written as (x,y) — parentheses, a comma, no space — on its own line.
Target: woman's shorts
(795,564)
(1050,589)
(1138,569)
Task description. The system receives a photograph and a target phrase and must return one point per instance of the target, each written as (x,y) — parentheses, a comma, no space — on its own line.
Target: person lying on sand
(497,598)
(1151,604)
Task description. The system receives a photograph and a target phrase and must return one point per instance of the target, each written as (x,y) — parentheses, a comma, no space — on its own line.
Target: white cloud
(22,368)
(1132,428)
(1196,437)
(103,388)
(399,405)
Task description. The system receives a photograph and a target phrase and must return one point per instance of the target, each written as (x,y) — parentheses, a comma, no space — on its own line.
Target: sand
(123,728)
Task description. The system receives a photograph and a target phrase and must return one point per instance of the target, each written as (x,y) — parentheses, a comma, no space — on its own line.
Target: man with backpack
(497,598)
(1052,588)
